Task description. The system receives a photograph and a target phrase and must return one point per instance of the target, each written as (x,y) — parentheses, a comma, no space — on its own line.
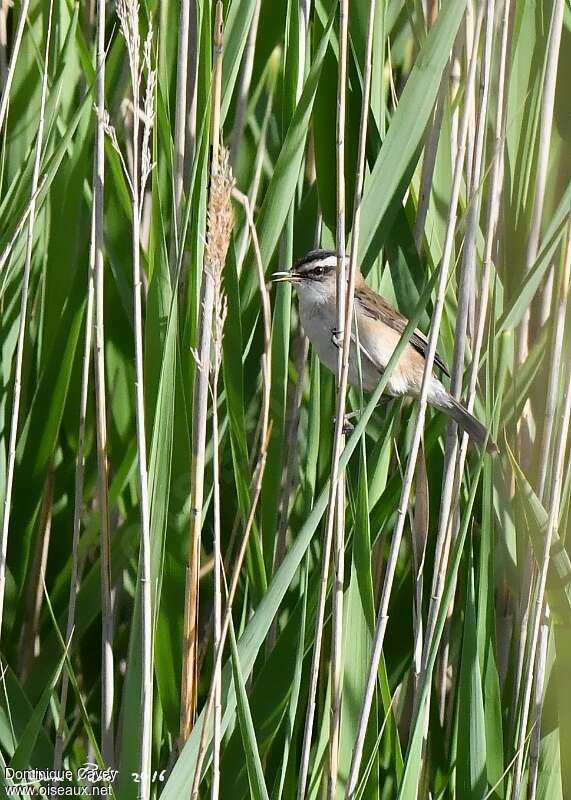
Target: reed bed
(208,585)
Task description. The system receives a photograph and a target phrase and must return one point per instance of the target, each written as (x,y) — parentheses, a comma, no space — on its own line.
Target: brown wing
(376,307)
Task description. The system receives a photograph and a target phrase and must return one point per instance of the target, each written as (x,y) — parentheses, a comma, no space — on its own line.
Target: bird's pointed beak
(284,277)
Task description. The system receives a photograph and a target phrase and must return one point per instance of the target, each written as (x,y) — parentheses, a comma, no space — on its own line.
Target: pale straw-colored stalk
(535,732)
(220,222)
(23,219)
(471,45)
(78,496)
(336,487)
(244,90)
(266,317)
(546,123)
(256,491)
(3,43)
(493,212)
(191,90)
(11,461)
(421,521)
(241,198)
(544,492)
(429,161)
(17,41)
(293,396)
(448,518)
(333,503)
(141,166)
(217,676)
(265,432)
(554,372)
(490,245)
(382,618)
(522,340)
(300,351)
(545,126)
(258,166)
(29,639)
(180,129)
(338,498)
(303,27)
(107,659)
(200,409)
(539,599)
(455,79)
(420,525)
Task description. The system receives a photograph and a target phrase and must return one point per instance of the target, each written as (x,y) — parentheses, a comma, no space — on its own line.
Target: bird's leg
(347,426)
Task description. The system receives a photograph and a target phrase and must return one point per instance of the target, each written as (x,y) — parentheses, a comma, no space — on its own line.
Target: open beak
(281,277)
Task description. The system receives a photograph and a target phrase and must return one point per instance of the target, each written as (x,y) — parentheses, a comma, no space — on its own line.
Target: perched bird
(379,329)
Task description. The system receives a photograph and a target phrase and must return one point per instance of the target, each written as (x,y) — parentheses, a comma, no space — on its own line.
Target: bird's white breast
(319,320)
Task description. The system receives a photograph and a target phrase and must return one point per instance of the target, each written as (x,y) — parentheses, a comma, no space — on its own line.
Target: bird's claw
(337,338)
(347,426)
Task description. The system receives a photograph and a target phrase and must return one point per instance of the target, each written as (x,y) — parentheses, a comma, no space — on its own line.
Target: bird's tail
(468,422)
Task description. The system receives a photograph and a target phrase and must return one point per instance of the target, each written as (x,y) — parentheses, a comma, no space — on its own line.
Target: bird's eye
(318,271)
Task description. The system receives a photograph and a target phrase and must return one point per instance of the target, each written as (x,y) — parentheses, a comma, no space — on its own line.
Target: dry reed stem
(455,77)
(258,166)
(191,91)
(265,428)
(107,659)
(180,129)
(334,503)
(544,492)
(78,495)
(448,519)
(289,476)
(546,122)
(338,498)
(200,409)
(17,41)
(535,731)
(244,89)
(471,46)
(429,162)
(382,618)
(303,26)
(419,529)
(128,12)
(539,601)
(446,522)
(257,487)
(29,639)
(522,343)
(266,312)
(3,44)
(554,373)
(427,174)
(418,542)
(493,212)
(547,103)
(11,460)
(23,219)
(217,674)
(219,232)
(241,198)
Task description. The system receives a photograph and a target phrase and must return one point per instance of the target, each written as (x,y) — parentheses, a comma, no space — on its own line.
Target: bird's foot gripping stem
(337,338)
(347,426)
